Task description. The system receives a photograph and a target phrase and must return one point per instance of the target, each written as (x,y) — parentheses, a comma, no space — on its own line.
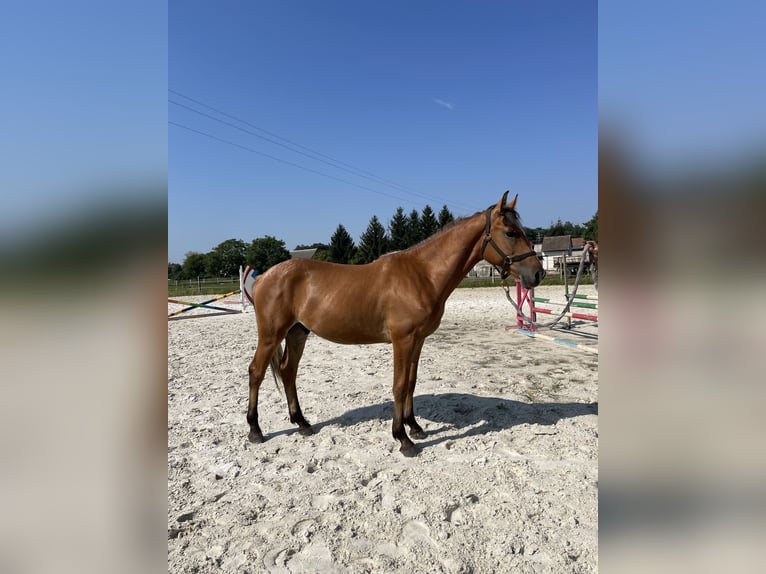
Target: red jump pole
(524,296)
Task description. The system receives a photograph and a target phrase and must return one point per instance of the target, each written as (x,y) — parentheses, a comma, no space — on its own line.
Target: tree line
(403,231)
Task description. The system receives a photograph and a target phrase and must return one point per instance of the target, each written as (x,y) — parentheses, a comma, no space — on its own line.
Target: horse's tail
(276,361)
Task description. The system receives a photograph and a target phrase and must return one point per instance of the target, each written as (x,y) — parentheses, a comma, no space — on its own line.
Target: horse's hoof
(410,451)
(255,437)
(305,431)
(418,434)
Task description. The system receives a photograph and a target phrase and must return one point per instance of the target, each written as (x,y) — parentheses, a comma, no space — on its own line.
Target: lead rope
(507,289)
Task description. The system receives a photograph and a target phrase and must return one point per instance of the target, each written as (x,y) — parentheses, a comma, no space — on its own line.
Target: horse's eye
(510,234)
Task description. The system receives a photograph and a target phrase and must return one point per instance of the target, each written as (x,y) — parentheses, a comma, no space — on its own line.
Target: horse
(398,298)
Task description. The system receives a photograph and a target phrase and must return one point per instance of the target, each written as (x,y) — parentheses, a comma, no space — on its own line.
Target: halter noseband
(505,271)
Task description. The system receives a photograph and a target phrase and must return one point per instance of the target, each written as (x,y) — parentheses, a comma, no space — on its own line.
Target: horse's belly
(351,337)
(343,318)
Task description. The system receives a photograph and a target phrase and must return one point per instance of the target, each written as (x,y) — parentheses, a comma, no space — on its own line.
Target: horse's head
(510,251)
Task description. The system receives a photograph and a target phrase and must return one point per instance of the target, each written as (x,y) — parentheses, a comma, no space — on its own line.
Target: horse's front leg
(416,431)
(403,352)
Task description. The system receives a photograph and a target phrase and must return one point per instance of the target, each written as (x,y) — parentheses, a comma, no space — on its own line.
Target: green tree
(535,234)
(226,257)
(373,243)
(428,223)
(397,231)
(317,246)
(174,270)
(565,228)
(414,234)
(322,254)
(591,228)
(193,265)
(445,217)
(341,246)
(556,228)
(265,252)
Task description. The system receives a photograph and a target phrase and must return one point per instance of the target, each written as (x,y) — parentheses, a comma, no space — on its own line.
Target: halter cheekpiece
(505,271)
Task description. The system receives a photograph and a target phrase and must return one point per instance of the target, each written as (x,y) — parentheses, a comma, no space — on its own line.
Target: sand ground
(506,481)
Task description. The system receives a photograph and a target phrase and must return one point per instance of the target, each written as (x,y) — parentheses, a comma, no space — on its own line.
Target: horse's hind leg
(256,372)
(294,344)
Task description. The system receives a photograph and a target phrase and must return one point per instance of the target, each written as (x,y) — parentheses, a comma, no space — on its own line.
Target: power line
(272,134)
(356,170)
(335,163)
(269,140)
(286,162)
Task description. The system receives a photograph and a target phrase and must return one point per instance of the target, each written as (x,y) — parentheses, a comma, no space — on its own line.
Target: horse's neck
(448,257)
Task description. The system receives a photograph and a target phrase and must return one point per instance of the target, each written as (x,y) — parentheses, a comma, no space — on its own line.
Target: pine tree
(373,243)
(414,234)
(428,223)
(342,247)
(445,217)
(397,231)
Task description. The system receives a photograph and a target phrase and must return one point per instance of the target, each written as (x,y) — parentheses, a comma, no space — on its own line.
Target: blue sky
(437,102)
(81,108)
(684,81)
(85,110)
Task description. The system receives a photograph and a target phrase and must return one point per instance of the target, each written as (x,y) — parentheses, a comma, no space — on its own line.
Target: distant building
(302,253)
(482,269)
(558,250)
(485,269)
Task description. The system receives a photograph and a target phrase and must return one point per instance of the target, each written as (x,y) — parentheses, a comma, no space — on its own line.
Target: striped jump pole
(557,340)
(570,314)
(574,301)
(523,296)
(572,304)
(204,305)
(528,324)
(579,296)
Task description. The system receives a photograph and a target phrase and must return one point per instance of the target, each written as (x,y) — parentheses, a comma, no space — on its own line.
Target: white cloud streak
(447,105)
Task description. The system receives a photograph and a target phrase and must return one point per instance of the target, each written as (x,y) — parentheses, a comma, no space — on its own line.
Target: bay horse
(398,298)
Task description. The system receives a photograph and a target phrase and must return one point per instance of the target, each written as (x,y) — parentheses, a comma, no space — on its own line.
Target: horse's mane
(509,212)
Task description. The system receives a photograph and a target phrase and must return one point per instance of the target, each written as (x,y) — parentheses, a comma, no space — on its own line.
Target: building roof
(302,253)
(557,243)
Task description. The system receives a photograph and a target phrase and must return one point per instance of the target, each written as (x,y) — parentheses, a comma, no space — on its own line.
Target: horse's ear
(501,203)
(512,205)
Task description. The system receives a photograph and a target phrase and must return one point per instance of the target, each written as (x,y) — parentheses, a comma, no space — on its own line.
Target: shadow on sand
(458,411)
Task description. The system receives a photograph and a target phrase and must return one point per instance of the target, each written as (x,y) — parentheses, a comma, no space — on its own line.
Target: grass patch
(553,279)
(203,287)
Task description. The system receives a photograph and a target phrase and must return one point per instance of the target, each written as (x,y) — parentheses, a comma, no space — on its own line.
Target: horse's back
(293,273)
(341,303)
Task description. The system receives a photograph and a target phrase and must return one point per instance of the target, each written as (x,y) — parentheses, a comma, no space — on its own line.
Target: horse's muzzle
(531,280)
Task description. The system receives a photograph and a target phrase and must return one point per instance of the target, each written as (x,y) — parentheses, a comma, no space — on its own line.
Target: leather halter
(505,271)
